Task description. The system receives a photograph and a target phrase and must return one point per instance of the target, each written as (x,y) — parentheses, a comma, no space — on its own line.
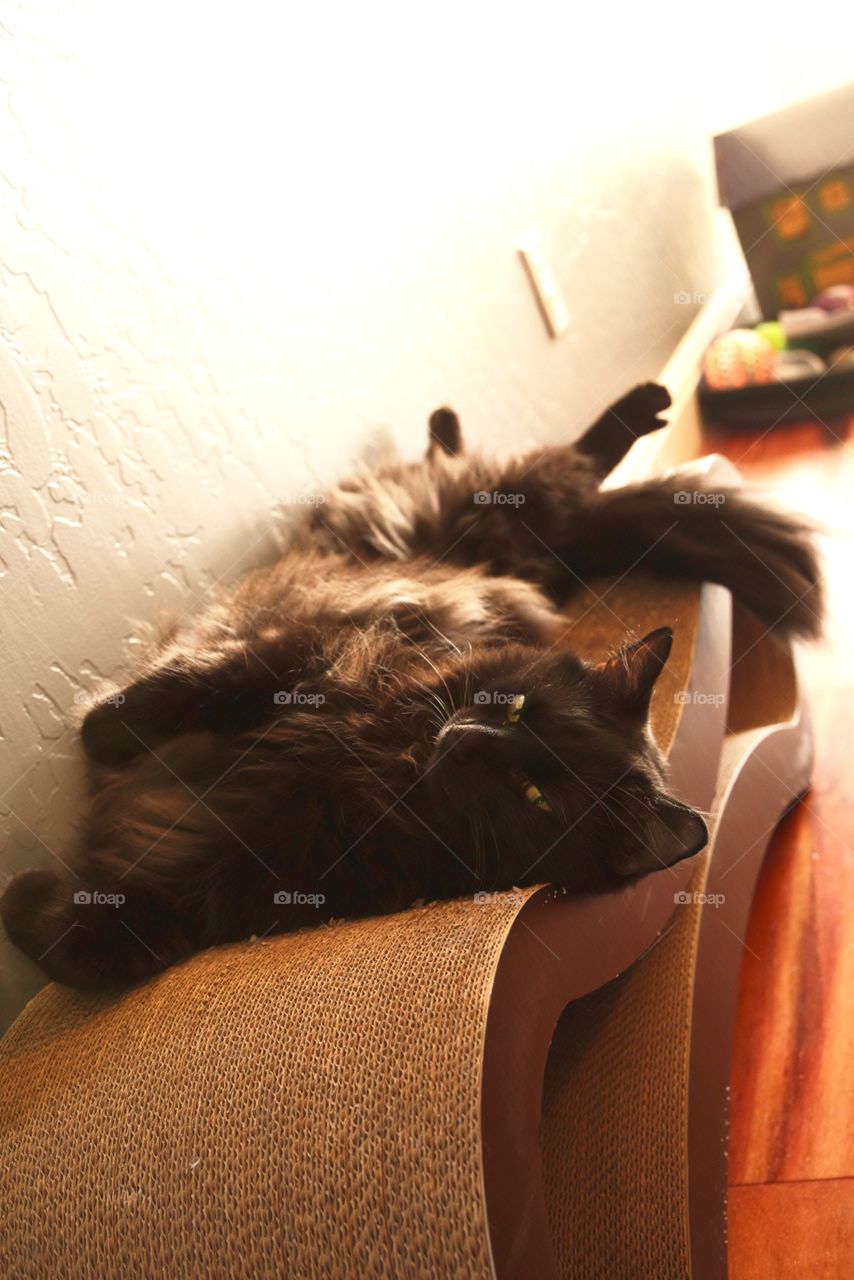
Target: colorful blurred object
(839,297)
(789,180)
(739,358)
(772,331)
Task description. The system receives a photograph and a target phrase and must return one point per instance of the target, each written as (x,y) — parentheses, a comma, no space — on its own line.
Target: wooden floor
(792,1125)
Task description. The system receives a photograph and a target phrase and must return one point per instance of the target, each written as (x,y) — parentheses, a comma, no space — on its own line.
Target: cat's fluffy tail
(767,558)
(87,937)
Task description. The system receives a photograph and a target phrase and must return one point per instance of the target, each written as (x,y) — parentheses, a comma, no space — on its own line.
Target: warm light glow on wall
(289,134)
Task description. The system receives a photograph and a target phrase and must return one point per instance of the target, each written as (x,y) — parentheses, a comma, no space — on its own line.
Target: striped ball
(739,358)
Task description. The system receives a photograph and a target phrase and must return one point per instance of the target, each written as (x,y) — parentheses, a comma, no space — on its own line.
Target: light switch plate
(544,283)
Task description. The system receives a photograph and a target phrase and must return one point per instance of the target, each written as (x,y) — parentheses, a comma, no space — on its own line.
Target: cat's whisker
(474,823)
(448,641)
(497,848)
(442,710)
(419,649)
(437,721)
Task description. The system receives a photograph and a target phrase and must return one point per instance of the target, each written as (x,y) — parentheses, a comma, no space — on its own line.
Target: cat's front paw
(640,408)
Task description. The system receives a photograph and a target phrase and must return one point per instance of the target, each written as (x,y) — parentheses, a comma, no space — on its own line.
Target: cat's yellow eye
(535,795)
(514,710)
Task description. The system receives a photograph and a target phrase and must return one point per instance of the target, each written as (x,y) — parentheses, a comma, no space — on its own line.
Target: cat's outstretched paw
(639,410)
(609,439)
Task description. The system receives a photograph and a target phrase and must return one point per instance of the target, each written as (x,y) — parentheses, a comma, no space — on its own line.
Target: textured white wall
(239,243)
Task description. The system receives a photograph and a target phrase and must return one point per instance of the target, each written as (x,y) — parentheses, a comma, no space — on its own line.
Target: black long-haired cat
(384,715)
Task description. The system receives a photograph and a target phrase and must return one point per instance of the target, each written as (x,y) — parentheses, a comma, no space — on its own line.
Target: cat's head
(548,766)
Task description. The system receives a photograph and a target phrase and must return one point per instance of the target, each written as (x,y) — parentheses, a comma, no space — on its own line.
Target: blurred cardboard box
(788,179)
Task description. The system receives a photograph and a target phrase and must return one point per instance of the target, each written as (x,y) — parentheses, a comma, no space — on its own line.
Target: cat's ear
(669,832)
(445,433)
(629,676)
